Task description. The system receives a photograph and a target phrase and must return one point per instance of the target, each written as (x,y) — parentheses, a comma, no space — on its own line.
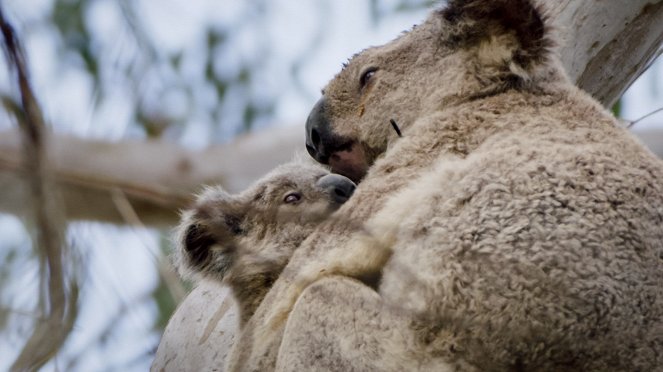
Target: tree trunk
(606,45)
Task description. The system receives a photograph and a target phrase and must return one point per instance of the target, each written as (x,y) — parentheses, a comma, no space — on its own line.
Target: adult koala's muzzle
(318,133)
(344,155)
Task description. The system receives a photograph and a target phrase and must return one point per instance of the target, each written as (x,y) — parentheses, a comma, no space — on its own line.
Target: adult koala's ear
(507,31)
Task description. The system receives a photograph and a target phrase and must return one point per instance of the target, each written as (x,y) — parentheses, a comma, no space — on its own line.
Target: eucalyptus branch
(634,122)
(58,291)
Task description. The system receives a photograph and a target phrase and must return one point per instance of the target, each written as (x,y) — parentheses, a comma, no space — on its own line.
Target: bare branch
(636,121)
(166,271)
(58,290)
(157,178)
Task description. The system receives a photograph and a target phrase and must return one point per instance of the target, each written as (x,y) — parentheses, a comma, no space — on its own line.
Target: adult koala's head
(466,50)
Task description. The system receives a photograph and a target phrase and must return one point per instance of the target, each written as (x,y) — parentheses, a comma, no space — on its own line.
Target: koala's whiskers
(396,128)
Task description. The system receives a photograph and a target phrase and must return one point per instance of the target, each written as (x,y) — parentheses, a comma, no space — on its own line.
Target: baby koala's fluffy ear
(478,21)
(206,237)
(195,243)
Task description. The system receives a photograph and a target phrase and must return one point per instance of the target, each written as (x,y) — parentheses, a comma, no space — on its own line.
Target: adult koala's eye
(366,76)
(292,198)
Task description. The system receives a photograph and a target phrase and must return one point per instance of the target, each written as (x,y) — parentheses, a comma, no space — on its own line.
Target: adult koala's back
(525,227)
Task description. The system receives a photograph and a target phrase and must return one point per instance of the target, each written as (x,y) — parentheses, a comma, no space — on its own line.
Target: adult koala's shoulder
(523,224)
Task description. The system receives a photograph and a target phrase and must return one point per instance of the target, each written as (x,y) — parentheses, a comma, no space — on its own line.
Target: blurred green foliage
(617,108)
(155,73)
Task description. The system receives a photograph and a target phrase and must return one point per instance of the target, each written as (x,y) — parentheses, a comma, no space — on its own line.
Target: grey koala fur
(246,240)
(514,226)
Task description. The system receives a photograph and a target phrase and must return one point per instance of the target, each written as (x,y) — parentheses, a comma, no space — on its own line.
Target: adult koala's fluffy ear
(513,31)
(206,238)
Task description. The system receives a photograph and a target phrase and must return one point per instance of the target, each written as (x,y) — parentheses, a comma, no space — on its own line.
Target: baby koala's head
(247,239)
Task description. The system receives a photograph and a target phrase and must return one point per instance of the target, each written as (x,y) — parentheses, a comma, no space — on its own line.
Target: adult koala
(514,226)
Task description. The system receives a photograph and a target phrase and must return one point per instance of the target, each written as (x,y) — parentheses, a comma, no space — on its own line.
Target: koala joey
(246,240)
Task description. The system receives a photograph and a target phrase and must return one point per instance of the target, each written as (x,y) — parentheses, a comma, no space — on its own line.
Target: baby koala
(246,240)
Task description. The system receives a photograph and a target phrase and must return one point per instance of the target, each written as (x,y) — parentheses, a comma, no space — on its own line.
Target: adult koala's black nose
(318,132)
(339,188)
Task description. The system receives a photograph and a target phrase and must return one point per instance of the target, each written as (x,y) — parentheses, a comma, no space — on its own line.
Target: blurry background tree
(153,84)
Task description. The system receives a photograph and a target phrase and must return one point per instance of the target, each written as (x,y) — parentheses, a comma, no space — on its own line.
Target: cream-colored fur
(514,226)
(245,240)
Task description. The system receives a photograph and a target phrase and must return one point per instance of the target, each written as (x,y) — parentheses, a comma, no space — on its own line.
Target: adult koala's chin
(466,51)
(514,226)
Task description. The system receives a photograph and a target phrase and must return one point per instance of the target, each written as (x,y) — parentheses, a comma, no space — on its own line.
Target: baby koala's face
(267,221)
(300,193)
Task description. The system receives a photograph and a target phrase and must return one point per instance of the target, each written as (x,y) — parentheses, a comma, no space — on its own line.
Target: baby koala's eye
(366,76)
(292,198)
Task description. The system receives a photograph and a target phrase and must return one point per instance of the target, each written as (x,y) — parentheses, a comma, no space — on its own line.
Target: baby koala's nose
(339,188)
